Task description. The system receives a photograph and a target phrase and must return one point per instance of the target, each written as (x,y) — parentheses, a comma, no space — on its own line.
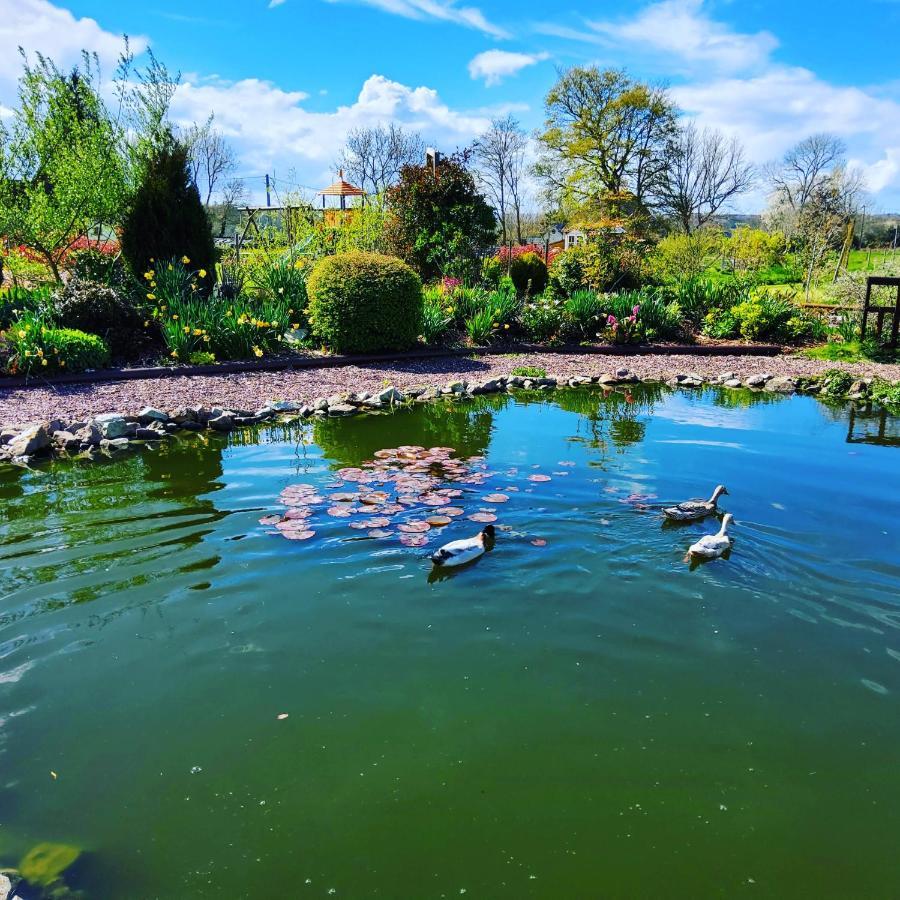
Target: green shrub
(466,301)
(763,318)
(201,358)
(37,346)
(365,303)
(529,274)
(697,297)
(886,394)
(566,274)
(99,309)
(165,218)
(492,270)
(529,372)
(836,382)
(542,320)
(91,264)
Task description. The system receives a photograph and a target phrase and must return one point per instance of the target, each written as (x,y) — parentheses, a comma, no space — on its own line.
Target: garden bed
(140,373)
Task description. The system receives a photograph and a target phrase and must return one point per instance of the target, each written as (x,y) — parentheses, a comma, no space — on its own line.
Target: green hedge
(529,274)
(365,303)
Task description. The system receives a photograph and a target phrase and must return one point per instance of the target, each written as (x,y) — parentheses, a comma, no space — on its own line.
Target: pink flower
(611,320)
(635,311)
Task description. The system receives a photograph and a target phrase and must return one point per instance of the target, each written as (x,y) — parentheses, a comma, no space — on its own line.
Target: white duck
(692,510)
(711,546)
(458,553)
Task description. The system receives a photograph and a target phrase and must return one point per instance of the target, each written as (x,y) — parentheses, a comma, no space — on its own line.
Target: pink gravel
(252,390)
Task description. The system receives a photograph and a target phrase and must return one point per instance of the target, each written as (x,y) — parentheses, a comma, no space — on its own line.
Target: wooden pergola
(341,189)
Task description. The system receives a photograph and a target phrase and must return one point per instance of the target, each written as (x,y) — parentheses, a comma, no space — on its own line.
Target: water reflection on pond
(578,714)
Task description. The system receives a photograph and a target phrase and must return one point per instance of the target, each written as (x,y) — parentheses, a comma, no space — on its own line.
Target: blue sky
(287,79)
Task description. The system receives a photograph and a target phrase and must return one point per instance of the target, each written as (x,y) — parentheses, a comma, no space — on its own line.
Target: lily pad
(414,527)
(43,864)
(438,521)
(539,542)
(482,517)
(380,533)
(413,540)
(299,535)
(270,520)
(539,478)
(496,498)
(453,511)
(339,512)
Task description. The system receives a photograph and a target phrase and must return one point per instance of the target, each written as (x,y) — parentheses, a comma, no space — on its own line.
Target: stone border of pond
(139,373)
(113,433)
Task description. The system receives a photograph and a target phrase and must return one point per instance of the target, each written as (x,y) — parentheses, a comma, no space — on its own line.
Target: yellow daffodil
(175,317)
(22,334)
(170,267)
(146,323)
(202,273)
(62,363)
(186,260)
(149,275)
(197,332)
(205,338)
(151,296)
(43,362)
(294,326)
(281,290)
(257,352)
(174,354)
(187,329)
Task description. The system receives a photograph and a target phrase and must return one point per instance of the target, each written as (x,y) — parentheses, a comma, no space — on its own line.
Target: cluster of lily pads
(406,490)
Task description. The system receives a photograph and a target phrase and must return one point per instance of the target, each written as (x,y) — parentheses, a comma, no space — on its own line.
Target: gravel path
(253,390)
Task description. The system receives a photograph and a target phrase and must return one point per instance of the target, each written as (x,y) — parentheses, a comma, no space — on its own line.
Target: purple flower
(635,311)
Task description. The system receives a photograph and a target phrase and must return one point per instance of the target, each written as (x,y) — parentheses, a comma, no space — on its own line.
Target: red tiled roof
(342,188)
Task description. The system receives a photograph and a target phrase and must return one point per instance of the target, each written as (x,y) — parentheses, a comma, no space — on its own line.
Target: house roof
(342,188)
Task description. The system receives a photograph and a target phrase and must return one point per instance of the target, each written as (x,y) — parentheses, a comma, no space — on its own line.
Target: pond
(227,712)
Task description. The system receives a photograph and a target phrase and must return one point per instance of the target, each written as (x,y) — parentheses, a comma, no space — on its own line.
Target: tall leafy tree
(604,139)
(61,171)
(438,221)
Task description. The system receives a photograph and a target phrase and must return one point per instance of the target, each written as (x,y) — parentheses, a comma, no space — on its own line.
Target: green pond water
(586,718)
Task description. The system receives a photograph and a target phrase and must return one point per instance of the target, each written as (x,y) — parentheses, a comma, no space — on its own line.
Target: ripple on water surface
(242,708)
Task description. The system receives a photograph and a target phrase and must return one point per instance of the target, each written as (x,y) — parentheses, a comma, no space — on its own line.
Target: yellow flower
(151,296)
(175,316)
(174,354)
(496,324)
(28,353)
(294,326)
(21,333)
(149,275)
(506,327)
(43,362)
(202,273)
(185,260)
(146,323)
(187,329)
(257,351)
(197,332)
(62,363)
(170,267)
(205,338)
(281,290)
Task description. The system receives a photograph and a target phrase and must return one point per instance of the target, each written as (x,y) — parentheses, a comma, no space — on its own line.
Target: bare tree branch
(374,157)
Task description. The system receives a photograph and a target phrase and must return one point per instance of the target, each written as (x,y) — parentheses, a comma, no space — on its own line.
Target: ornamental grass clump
(365,303)
(191,323)
(36,346)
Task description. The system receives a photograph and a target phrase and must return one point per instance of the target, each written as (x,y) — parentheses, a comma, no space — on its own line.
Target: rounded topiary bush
(365,303)
(529,274)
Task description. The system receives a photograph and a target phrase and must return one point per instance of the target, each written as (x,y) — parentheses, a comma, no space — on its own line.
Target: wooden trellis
(880,311)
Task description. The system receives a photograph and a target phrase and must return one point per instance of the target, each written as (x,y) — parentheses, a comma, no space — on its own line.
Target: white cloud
(271,129)
(495,65)
(732,82)
(39,26)
(683,28)
(440,10)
